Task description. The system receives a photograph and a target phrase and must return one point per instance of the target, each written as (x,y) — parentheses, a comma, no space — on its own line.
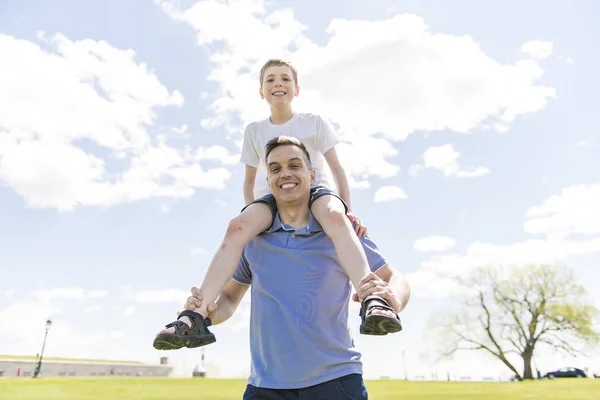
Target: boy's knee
(237,228)
(333,217)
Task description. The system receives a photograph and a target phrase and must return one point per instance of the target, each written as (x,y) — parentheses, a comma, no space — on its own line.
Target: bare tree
(511,311)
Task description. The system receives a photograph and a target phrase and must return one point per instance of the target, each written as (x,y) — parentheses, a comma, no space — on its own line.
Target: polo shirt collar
(313,225)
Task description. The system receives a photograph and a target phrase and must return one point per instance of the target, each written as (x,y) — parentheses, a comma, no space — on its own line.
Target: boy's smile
(278,86)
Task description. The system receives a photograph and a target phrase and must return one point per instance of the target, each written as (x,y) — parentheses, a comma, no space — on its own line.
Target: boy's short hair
(286,141)
(278,62)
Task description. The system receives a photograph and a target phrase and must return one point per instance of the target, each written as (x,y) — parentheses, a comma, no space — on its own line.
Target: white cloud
(87,92)
(164,208)
(92,309)
(60,293)
(197,250)
(162,296)
(217,153)
(538,49)
(389,193)
(576,210)
(94,294)
(582,143)
(128,311)
(438,271)
(10,292)
(26,313)
(445,158)
(434,244)
(432,81)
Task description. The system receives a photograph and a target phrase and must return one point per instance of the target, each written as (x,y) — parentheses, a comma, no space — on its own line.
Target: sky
(469,135)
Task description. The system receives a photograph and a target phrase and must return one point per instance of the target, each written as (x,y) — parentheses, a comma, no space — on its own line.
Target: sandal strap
(195,316)
(381,304)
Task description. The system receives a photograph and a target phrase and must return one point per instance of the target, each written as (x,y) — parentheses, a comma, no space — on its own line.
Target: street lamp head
(48,323)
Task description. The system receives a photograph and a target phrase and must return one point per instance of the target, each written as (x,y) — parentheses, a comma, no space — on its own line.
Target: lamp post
(39,364)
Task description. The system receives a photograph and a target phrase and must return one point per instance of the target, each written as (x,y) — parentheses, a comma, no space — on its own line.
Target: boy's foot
(378,318)
(181,334)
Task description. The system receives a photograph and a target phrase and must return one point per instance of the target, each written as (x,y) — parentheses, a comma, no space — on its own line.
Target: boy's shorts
(315,193)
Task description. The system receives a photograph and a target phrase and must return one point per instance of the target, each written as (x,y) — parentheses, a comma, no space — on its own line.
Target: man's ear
(313,176)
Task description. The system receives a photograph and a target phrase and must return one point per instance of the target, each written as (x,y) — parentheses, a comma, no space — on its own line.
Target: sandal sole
(379,325)
(166,341)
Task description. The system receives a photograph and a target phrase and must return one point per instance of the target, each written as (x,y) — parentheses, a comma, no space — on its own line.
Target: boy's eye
(294,166)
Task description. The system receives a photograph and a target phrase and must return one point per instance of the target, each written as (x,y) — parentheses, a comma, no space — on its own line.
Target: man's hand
(372,285)
(194,302)
(359,228)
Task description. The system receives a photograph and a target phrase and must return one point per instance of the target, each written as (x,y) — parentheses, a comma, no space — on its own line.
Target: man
(300,343)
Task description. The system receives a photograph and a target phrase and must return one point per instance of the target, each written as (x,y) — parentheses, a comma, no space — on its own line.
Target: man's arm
(226,304)
(387,283)
(249,182)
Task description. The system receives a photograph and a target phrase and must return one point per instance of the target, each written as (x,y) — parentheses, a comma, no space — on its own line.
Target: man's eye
(276,169)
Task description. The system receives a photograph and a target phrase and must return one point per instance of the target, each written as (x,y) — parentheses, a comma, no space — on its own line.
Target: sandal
(378,324)
(195,336)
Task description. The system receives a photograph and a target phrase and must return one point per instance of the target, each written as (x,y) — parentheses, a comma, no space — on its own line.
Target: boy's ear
(262,95)
(297,91)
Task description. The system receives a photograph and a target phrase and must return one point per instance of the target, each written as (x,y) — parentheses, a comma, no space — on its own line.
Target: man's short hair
(278,62)
(286,141)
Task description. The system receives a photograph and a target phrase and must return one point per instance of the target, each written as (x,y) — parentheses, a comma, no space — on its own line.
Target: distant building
(19,366)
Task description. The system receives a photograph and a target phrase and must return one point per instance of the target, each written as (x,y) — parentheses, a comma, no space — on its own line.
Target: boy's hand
(194,302)
(359,228)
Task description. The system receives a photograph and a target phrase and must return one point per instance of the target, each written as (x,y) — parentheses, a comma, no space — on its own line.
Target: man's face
(278,86)
(288,174)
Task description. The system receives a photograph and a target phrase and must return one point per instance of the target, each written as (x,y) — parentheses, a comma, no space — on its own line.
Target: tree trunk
(527,356)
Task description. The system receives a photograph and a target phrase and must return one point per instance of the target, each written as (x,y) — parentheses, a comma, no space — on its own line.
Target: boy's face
(278,86)
(288,174)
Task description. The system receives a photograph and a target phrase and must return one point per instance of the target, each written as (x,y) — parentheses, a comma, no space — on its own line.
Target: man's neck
(282,115)
(297,217)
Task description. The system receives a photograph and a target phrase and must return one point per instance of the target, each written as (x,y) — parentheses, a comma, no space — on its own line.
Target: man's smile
(288,185)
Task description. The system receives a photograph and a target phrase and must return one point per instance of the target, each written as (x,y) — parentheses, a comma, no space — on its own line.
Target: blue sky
(469,134)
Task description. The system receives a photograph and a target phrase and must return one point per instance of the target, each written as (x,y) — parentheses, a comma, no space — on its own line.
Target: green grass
(34,358)
(222,389)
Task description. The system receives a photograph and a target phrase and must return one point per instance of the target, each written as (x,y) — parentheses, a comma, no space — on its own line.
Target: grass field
(222,389)
(34,358)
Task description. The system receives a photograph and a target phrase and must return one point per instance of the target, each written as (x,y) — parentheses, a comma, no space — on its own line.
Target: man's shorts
(315,193)
(349,387)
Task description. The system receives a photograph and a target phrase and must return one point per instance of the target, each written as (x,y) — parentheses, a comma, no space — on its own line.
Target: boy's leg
(330,212)
(254,219)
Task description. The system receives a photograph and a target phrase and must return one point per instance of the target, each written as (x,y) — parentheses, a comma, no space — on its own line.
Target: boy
(279,87)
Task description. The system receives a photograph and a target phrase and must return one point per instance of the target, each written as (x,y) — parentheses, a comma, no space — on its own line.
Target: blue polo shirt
(299,334)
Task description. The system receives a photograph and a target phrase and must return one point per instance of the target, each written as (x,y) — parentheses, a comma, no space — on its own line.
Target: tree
(511,311)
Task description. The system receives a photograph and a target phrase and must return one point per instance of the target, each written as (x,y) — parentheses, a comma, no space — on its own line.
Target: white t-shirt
(311,129)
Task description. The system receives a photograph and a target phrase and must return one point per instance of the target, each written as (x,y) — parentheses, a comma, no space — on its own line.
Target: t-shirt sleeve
(326,137)
(243,274)
(375,259)
(249,153)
